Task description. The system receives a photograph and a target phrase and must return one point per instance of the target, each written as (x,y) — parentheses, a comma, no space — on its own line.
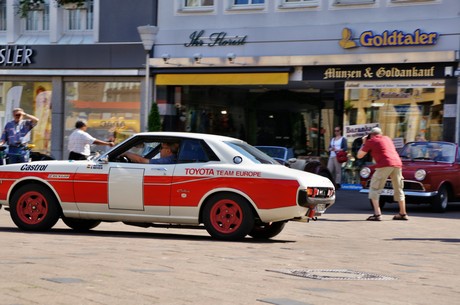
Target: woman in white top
(338,143)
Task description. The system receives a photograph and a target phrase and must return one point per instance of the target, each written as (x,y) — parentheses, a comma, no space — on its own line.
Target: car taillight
(321,192)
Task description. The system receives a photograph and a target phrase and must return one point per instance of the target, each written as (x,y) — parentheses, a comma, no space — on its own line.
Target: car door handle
(162,169)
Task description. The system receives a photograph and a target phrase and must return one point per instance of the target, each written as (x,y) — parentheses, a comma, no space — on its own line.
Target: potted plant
(154,120)
(25,6)
(71,4)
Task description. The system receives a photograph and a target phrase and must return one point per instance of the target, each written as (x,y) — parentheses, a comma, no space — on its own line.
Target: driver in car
(168,155)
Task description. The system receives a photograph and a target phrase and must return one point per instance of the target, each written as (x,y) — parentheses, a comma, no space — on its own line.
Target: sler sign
(15,56)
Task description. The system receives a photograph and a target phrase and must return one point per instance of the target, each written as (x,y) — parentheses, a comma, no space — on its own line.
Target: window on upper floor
(3,15)
(248,2)
(38,18)
(81,18)
(353,2)
(408,1)
(198,3)
(298,3)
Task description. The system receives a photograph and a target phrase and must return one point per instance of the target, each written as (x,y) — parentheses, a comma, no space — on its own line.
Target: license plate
(387,192)
(320,207)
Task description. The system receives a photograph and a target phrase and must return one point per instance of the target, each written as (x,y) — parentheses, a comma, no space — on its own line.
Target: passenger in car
(168,155)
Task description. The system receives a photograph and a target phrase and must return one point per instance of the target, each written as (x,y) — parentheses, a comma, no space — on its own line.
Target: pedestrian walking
(388,164)
(15,135)
(80,141)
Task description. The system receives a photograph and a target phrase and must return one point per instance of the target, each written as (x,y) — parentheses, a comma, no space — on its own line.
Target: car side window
(191,151)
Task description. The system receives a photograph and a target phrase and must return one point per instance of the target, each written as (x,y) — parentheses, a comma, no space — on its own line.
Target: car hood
(414,165)
(304,178)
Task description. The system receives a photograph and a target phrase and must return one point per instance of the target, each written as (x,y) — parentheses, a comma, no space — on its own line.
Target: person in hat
(14,135)
(80,141)
(388,164)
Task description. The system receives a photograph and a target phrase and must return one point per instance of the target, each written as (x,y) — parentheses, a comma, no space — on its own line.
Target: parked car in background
(286,156)
(218,183)
(431,172)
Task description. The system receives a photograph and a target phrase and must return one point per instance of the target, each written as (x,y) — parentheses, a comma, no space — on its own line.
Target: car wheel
(440,201)
(228,217)
(267,230)
(34,208)
(80,225)
(327,174)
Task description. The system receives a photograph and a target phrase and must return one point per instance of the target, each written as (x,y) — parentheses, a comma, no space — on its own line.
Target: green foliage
(25,6)
(154,120)
(77,2)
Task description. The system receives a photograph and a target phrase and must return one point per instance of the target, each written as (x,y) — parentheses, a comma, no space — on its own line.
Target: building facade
(65,62)
(278,72)
(286,72)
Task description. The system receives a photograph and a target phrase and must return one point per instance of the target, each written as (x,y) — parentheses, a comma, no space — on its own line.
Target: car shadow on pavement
(140,235)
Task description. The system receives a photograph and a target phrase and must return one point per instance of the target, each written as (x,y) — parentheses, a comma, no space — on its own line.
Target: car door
(117,185)
(141,187)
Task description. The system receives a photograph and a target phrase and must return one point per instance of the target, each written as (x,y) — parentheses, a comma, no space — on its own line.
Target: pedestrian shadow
(444,240)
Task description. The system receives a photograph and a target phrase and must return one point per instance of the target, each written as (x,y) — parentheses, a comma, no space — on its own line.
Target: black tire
(382,203)
(228,216)
(441,200)
(326,173)
(267,230)
(80,225)
(34,207)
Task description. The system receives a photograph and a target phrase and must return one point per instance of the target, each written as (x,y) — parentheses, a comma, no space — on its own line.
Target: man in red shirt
(388,164)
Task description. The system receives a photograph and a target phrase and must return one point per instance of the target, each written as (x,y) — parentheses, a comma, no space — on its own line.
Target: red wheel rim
(31,208)
(226,216)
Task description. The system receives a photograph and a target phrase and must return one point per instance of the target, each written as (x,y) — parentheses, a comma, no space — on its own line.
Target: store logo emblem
(388,39)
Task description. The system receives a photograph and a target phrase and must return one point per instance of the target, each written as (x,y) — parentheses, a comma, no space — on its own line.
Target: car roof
(192,135)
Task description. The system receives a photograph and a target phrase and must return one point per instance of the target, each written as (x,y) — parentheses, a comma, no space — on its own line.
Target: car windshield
(251,153)
(429,151)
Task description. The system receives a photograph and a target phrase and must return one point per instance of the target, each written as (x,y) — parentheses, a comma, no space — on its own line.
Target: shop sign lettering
(219,39)
(15,56)
(395,38)
(221,172)
(34,167)
(378,73)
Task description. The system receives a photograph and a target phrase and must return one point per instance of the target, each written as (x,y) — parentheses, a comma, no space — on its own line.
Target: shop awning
(269,78)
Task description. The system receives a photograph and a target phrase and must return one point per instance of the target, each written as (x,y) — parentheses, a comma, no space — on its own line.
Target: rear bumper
(414,194)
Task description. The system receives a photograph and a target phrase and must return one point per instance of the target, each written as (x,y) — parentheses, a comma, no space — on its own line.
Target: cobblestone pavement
(339,259)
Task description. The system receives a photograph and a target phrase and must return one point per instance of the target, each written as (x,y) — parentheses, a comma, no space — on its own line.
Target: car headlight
(420,174)
(365,172)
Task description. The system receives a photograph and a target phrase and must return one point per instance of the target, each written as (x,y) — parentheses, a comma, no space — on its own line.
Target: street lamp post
(148,34)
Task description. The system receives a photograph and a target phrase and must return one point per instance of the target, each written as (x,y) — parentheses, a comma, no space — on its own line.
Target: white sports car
(225,184)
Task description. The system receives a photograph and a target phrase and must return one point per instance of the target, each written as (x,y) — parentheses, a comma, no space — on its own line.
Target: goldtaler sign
(388,39)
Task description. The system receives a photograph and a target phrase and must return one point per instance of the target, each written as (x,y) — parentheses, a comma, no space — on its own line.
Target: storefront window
(405,111)
(34,98)
(111,109)
(259,116)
